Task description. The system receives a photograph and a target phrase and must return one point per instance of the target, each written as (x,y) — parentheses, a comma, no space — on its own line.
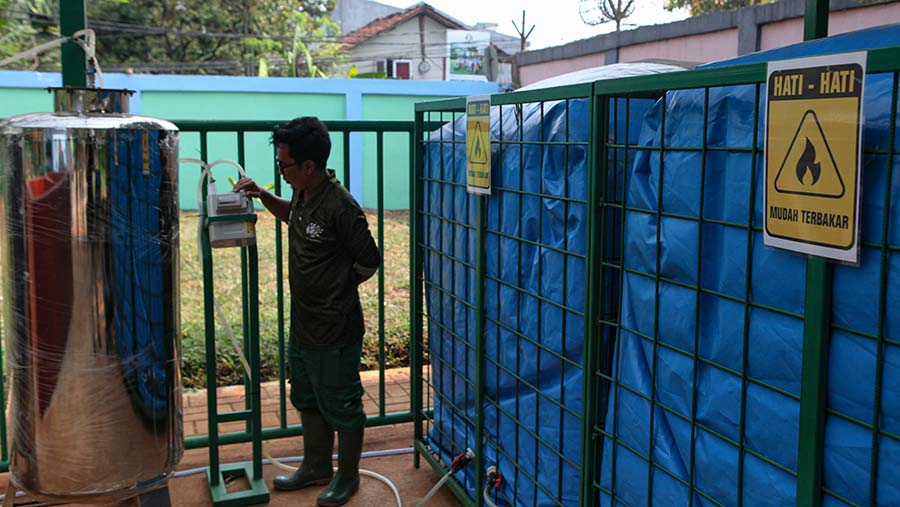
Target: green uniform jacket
(329,247)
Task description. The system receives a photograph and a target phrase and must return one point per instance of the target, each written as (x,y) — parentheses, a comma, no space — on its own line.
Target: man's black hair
(306,138)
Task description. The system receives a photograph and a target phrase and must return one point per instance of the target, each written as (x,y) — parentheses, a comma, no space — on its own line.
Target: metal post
(417,150)
(816,333)
(815,22)
(254,392)
(210,334)
(481,203)
(73,17)
(813,387)
(594,280)
(380,196)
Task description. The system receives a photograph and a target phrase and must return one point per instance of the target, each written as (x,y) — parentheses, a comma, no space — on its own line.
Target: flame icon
(807,163)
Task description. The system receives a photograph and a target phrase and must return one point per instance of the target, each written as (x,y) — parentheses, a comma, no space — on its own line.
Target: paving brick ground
(412,483)
(231,398)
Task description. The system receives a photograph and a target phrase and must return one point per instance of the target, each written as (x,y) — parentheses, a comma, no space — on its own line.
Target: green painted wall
(259,154)
(15,101)
(396,150)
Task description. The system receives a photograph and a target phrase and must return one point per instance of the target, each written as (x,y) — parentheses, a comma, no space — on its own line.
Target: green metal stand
(217,474)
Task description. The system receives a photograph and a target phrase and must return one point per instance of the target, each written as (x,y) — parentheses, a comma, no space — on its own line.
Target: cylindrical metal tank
(89,218)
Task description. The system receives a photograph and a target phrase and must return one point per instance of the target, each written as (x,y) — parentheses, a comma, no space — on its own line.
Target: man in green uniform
(331,252)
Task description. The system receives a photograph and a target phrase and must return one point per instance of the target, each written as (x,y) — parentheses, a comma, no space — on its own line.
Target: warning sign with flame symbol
(808,167)
(812,160)
(478,145)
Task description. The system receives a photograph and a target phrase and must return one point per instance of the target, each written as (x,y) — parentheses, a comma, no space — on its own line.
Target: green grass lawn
(227,285)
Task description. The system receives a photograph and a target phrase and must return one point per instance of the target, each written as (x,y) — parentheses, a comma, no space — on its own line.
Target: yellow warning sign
(812,161)
(478,145)
(809,167)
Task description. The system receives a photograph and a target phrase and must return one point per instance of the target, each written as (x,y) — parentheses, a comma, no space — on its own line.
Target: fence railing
(342,130)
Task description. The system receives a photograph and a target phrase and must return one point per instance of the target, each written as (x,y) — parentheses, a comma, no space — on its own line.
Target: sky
(556,22)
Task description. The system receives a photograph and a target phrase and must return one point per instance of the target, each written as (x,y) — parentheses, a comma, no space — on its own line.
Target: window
(386,66)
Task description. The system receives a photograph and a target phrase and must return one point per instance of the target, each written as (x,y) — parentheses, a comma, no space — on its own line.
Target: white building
(412,44)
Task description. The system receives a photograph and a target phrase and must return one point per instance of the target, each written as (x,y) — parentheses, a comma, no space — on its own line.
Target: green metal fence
(399,135)
(610,150)
(340,131)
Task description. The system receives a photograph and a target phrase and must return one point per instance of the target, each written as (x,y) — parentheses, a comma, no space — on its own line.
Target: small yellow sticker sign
(478,145)
(812,155)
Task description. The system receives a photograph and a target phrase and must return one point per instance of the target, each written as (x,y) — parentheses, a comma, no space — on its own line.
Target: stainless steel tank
(89,220)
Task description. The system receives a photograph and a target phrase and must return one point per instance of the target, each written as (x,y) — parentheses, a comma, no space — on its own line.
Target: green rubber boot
(346,482)
(318,445)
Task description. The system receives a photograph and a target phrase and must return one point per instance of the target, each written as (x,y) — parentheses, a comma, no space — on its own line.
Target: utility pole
(73,17)
(522,35)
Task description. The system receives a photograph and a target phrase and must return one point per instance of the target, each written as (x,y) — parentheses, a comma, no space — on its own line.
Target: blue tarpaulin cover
(535,296)
(743,390)
(767,426)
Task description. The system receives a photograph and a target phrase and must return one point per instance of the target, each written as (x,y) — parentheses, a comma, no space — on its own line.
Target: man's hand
(248,186)
(279,207)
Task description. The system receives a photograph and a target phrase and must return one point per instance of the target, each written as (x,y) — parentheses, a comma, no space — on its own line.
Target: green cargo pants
(329,380)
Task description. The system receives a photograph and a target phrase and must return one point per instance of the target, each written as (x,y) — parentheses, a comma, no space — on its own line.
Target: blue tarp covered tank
(535,299)
(746,321)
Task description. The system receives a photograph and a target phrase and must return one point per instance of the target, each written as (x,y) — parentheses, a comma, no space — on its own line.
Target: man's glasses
(282,167)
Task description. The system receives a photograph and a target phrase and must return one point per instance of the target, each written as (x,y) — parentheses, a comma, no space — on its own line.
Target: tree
(316,58)
(217,36)
(23,25)
(206,36)
(706,6)
(597,12)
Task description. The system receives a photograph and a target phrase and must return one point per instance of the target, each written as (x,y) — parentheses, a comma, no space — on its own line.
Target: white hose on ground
(296,459)
(435,489)
(223,321)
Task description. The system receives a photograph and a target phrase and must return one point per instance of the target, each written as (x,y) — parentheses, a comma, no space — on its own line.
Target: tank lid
(90,100)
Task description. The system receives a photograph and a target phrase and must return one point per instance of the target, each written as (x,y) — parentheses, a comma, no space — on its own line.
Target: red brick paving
(413,484)
(231,398)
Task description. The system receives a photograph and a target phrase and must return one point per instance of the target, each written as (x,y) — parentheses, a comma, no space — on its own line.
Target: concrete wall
(702,39)
(534,73)
(277,99)
(705,47)
(790,31)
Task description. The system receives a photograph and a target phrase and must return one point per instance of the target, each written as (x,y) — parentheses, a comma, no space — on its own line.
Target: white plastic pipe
(435,489)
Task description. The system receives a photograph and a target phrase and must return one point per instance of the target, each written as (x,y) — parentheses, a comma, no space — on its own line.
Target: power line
(117,26)
(395,50)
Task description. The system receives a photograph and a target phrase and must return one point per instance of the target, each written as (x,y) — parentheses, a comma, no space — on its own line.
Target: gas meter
(230,217)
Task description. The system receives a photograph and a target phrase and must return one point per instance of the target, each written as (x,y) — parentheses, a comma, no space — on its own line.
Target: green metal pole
(594,280)
(245,329)
(279,277)
(814,388)
(817,322)
(380,196)
(346,178)
(73,17)
(416,166)
(815,22)
(210,334)
(253,336)
(479,461)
